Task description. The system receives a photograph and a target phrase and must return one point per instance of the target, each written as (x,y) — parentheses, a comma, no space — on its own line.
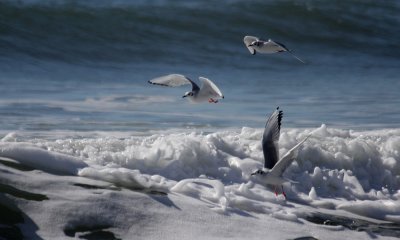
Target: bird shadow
(163,199)
(239,212)
(155,194)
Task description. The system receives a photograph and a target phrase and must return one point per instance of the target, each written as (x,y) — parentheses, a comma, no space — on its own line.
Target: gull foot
(210,100)
(283,192)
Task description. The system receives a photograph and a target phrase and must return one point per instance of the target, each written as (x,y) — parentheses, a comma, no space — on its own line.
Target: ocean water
(84,66)
(88,147)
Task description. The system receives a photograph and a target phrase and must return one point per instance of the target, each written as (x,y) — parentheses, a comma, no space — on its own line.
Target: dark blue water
(84,66)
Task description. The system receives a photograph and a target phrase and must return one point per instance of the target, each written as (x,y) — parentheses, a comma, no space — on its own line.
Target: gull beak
(253,174)
(184,96)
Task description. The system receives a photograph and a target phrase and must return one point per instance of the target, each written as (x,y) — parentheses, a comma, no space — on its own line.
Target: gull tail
(291,181)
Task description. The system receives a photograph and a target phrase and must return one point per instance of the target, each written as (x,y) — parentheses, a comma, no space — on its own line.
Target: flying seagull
(274,169)
(256,45)
(208,91)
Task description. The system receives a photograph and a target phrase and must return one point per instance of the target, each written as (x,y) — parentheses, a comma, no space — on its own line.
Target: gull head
(255,44)
(188,94)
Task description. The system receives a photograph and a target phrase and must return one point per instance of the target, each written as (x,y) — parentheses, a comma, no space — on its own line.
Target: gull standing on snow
(256,45)
(274,169)
(208,91)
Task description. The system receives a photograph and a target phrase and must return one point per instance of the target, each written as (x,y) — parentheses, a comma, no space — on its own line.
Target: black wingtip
(280,115)
(160,84)
(282,45)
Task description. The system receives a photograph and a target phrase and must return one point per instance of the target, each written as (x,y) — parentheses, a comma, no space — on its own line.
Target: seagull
(208,91)
(256,45)
(274,169)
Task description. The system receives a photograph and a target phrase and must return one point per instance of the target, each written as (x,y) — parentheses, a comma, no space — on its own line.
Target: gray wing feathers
(288,50)
(271,138)
(271,153)
(210,89)
(174,80)
(278,44)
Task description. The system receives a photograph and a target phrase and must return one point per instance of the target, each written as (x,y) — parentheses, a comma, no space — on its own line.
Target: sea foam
(361,167)
(41,159)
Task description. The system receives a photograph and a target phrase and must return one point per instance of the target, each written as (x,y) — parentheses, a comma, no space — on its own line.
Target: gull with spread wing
(208,91)
(255,44)
(273,170)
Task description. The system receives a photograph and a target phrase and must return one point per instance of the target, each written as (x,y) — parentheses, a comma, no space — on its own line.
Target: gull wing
(271,138)
(210,89)
(286,49)
(287,159)
(277,44)
(174,80)
(247,41)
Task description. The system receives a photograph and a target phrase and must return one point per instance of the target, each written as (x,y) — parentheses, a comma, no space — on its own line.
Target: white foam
(332,164)
(41,159)
(126,178)
(204,189)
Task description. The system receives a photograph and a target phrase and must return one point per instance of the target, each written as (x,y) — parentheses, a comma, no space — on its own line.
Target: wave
(332,165)
(123,32)
(335,162)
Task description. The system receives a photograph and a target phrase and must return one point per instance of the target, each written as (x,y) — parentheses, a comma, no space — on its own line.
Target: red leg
(276,193)
(283,192)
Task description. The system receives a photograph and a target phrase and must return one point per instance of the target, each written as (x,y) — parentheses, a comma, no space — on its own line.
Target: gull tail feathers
(291,181)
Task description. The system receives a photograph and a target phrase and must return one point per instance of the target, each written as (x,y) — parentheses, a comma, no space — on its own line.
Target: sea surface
(84,65)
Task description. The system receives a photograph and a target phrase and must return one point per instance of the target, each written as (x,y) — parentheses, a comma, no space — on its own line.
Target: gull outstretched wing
(287,159)
(210,89)
(174,80)
(271,138)
(285,49)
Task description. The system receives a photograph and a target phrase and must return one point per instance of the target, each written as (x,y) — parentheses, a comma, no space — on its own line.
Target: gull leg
(283,192)
(210,100)
(276,193)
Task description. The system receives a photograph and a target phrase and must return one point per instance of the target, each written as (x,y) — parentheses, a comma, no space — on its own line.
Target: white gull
(255,44)
(208,91)
(273,170)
